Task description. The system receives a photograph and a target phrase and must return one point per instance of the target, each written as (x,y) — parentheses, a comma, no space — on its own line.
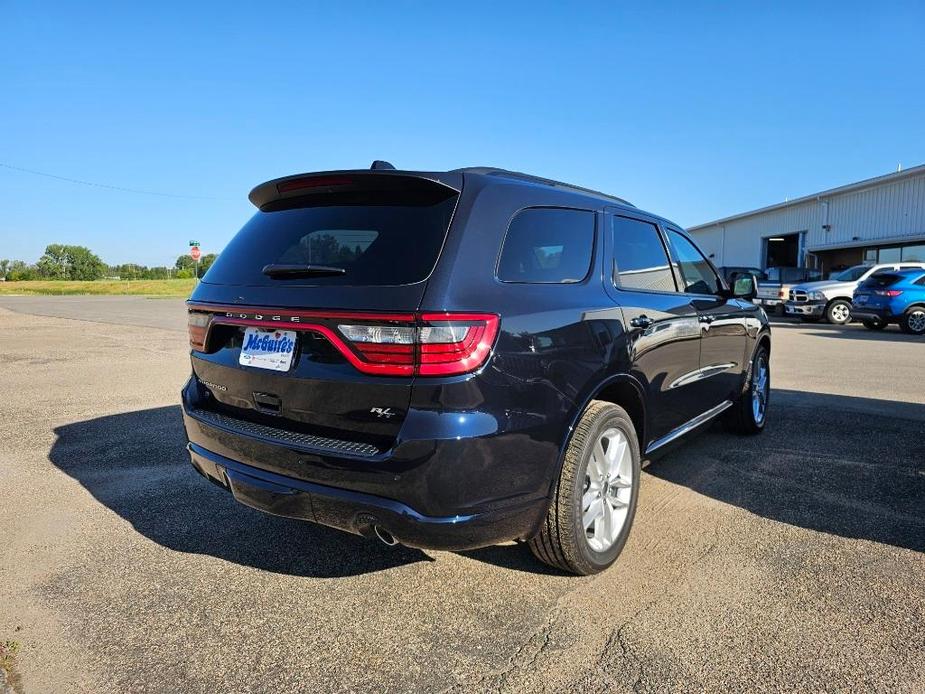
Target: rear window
(881,279)
(548,246)
(378,238)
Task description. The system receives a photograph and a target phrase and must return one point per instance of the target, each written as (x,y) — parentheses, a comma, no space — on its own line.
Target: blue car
(892,297)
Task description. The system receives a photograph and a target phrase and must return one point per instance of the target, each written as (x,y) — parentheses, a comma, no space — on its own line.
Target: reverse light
(380,334)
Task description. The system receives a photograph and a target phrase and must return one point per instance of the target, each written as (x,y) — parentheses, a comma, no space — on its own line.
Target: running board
(689,426)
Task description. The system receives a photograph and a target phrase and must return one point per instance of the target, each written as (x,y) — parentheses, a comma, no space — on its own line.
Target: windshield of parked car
(852,273)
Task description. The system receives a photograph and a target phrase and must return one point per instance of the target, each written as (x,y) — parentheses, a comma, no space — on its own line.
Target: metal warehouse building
(878,220)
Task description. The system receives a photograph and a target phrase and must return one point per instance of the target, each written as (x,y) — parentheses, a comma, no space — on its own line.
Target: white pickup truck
(774,288)
(831,299)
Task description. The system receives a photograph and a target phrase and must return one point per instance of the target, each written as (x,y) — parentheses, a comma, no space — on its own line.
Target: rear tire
(838,312)
(913,321)
(874,324)
(749,413)
(599,481)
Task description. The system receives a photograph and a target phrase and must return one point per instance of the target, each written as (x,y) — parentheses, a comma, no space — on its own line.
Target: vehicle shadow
(843,465)
(847,466)
(136,465)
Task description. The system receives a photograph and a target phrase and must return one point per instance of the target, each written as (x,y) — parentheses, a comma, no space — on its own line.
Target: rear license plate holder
(268,349)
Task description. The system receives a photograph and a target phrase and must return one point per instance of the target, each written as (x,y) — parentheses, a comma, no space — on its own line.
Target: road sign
(195,253)
(194,243)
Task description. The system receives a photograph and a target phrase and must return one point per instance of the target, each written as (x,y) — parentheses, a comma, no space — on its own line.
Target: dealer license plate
(268,349)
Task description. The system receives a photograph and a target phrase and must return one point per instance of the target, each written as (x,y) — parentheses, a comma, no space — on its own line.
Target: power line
(108,187)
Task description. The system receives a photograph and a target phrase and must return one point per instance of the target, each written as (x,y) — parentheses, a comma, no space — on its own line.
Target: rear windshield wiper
(280,270)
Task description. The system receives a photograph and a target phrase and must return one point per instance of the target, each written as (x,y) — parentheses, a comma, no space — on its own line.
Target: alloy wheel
(916,321)
(608,489)
(841,313)
(760,388)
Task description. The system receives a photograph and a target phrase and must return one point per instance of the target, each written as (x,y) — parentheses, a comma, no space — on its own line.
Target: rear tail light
(781,294)
(887,292)
(198,328)
(439,344)
(423,344)
(454,343)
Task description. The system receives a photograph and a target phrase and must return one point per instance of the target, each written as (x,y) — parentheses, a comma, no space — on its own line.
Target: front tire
(595,497)
(913,321)
(749,413)
(838,312)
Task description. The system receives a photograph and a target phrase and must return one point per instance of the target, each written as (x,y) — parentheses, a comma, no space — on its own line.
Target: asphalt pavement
(792,560)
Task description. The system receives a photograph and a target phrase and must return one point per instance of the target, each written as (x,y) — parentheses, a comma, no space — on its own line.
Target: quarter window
(640,261)
(547,245)
(696,274)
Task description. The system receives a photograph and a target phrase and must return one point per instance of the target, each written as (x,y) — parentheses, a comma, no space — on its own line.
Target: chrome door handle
(642,321)
(706,319)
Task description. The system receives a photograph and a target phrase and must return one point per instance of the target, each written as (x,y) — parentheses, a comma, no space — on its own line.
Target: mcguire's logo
(269,343)
(264,317)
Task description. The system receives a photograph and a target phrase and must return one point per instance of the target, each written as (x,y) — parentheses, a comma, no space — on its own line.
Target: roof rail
(491,171)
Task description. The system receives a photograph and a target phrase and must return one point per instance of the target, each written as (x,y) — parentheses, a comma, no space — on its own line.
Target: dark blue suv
(455,359)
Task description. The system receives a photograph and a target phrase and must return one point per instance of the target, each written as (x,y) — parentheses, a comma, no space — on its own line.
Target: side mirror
(745,287)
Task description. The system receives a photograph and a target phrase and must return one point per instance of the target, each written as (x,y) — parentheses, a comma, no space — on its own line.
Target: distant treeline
(62,262)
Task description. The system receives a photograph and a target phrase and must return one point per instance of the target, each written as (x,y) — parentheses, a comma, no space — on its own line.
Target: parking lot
(793,560)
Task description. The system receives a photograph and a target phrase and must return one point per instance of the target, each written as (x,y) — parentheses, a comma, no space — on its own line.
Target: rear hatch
(875,291)
(305,323)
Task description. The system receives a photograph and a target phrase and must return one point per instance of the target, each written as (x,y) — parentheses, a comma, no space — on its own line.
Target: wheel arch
(622,390)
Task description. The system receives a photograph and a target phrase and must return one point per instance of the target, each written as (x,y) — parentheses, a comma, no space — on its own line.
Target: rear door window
(640,260)
(376,238)
(547,245)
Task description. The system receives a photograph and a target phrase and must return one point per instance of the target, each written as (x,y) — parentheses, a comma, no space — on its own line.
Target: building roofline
(859,185)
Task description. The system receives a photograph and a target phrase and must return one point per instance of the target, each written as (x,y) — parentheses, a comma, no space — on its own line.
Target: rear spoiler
(327,182)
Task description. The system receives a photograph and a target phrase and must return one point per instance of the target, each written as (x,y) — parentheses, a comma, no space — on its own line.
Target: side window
(547,245)
(640,261)
(696,274)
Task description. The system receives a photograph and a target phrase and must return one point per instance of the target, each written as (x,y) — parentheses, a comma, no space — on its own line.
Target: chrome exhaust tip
(384,536)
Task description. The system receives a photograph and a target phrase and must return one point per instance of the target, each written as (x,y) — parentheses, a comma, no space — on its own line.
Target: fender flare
(582,405)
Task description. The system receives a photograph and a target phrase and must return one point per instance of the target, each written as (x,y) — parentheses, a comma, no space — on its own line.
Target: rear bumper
(360,513)
(768,302)
(866,312)
(431,490)
(814,308)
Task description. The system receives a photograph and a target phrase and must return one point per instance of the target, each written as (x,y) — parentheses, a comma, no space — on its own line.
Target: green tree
(19,270)
(206,262)
(62,262)
(185,262)
(4,267)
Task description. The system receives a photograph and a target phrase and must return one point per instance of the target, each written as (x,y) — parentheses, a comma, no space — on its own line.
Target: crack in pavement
(618,635)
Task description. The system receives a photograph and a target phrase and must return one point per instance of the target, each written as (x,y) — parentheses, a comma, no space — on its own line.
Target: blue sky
(691,112)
